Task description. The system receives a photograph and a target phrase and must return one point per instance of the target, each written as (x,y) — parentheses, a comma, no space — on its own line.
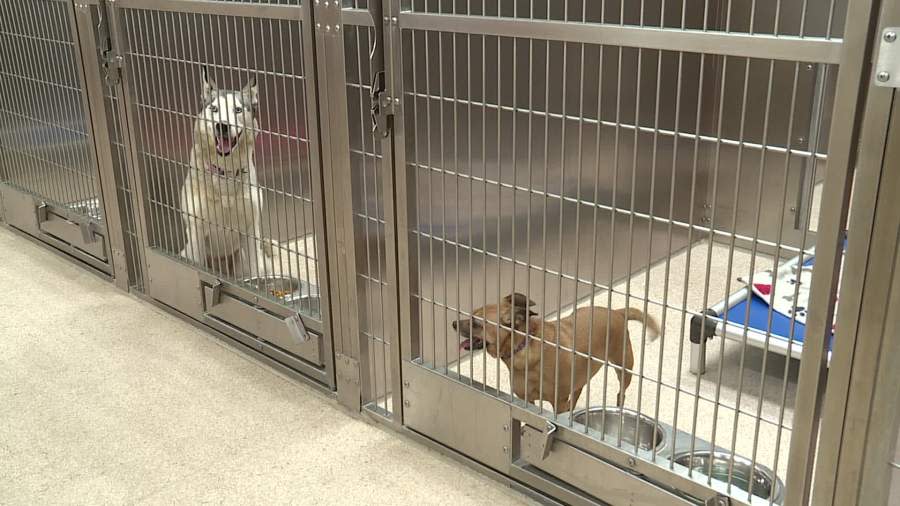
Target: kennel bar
(725,43)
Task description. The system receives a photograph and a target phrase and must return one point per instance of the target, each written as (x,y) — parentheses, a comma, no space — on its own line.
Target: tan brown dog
(510,330)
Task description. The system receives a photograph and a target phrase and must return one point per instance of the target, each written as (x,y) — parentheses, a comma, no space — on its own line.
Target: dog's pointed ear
(250,92)
(518,300)
(208,88)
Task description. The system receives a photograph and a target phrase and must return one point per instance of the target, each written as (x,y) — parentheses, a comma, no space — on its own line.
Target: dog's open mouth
(225,144)
(471,344)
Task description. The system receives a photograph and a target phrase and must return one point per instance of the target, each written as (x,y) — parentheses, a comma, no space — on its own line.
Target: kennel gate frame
(71,245)
(850,52)
(179,287)
(860,409)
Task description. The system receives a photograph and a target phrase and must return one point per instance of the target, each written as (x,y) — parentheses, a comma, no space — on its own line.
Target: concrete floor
(105,399)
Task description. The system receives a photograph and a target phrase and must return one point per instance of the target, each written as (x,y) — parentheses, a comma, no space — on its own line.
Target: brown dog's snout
(461,326)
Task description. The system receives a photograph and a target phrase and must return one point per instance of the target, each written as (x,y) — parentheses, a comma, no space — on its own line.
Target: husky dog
(220,200)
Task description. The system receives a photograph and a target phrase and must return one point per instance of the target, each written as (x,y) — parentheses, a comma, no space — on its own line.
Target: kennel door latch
(382,105)
(110,60)
(112,68)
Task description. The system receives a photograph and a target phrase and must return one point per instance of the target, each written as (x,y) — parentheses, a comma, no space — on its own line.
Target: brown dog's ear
(518,300)
(518,305)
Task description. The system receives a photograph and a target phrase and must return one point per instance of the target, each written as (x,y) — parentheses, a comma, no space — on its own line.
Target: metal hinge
(382,106)
(887,68)
(110,60)
(348,387)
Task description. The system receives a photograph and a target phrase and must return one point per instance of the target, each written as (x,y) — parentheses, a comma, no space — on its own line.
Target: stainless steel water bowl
(88,207)
(637,430)
(290,291)
(765,484)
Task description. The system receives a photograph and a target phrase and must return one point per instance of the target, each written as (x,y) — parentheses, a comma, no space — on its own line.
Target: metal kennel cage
(103,101)
(50,179)
(415,160)
(646,154)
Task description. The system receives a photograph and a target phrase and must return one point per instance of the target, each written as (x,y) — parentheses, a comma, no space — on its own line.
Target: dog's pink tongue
(465,345)
(225,144)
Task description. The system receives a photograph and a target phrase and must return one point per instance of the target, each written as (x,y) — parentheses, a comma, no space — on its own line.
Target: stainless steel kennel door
(49,178)
(650,155)
(221,104)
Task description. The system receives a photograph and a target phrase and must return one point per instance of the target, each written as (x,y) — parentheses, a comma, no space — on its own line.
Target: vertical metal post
(385,60)
(862,428)
(407,343)
(851,92)
(125,95)
(113,209)
(309,40)
(853,314)
(325,23)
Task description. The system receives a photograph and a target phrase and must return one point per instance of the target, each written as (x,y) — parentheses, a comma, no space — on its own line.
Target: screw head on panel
(632,462)
(890,36)
(406,383)
(406,403)
(505,449)
(809,66)
(883,76)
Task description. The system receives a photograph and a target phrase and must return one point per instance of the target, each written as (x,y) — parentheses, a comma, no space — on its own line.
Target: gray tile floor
(106,400)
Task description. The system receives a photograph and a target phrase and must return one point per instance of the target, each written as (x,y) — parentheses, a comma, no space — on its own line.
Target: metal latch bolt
(111,62)
(382,105)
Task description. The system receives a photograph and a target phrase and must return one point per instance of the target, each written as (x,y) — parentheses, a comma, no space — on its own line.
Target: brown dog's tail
(631,313)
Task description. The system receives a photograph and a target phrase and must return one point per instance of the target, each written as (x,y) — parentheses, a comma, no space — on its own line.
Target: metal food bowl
(765,484)
(290,291)
(88,207)
(637,429)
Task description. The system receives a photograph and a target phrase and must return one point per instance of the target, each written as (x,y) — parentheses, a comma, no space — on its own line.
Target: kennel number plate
(297,329)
